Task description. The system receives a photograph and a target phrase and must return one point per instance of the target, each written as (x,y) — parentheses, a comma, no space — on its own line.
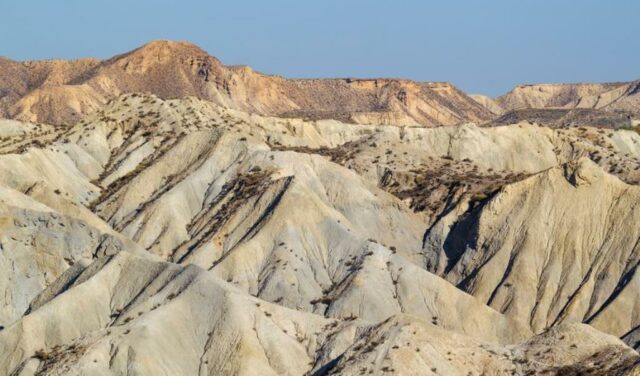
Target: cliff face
(61,92)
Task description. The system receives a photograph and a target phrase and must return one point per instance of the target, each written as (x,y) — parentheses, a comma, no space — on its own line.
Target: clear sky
(482,46)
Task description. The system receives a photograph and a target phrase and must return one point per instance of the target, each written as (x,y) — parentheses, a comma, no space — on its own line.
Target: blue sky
(482,46)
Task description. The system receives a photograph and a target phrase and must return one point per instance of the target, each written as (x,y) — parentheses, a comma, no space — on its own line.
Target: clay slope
(282,226)
(558,246)
(60,93)
(409,346)
(292,246)
(38,245)
(619,96)
(126,314)
(611,105)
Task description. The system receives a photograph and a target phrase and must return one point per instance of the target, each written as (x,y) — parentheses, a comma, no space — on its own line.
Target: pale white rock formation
(180,237)
(409,346)
(557,246)
(128,314)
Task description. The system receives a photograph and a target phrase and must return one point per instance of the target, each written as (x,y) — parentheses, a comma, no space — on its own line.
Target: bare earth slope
(60,93)
(537,252)
(129,317)
(624,95)
(610,105)
(169,237)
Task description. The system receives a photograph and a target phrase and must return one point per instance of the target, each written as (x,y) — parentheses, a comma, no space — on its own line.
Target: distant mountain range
(61,92)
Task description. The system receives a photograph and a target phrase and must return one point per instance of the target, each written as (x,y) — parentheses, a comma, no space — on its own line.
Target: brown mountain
(31,82)
(61,92)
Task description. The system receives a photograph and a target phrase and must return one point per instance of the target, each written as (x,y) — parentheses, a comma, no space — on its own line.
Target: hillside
(57,92)
(618,96)
(610,105)
(298,246)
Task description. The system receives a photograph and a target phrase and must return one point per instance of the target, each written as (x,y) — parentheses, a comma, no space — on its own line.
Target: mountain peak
(164,51)
(165,44)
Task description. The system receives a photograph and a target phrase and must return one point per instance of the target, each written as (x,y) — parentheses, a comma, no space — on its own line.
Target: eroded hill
(58,92)
(609,105)
(182,237)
